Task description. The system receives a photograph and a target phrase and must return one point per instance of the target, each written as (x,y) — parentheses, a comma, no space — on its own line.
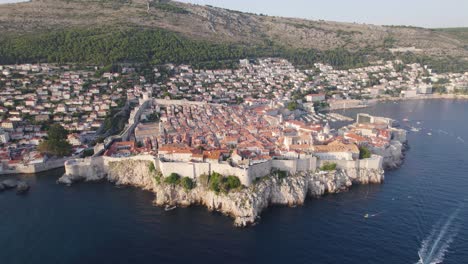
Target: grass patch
(328,166)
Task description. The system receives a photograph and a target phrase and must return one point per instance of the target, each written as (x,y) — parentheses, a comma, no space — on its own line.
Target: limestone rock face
(8,184)
(244,205)
(135,173)
(393,155)
(22,187)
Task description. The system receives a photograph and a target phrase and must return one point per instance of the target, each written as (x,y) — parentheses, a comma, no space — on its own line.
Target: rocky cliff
(393,155)
(244,205)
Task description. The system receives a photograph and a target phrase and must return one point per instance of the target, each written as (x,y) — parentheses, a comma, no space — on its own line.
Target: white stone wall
(97,166)
(334,155)
(259,170)
(295,165)
(226,169)
(285,165)
(93,167)
(374,162)
(184,169)
(34,168)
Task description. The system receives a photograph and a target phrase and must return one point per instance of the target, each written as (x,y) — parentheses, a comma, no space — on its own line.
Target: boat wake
(443,132)
(435,246)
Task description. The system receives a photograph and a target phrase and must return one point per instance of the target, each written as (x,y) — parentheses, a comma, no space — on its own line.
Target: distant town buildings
(265,109)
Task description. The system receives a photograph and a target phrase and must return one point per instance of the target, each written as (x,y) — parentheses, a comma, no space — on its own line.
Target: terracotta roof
(336,146)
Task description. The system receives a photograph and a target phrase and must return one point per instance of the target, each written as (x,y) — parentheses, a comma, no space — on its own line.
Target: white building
(4,137)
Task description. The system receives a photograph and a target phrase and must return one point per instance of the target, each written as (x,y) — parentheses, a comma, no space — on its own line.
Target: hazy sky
(10,1)
(424,13)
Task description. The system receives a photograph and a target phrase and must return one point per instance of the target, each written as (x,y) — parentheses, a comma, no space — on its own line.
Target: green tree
(56,143)
(187,183)
(292,106)
(88,153)
(57,132)
(215,181)
(364,153)
(172,179)
(233,182)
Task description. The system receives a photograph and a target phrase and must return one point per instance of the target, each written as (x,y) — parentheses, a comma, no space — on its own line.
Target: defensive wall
(34,168)
(180,102)
(375,162)
(91,166)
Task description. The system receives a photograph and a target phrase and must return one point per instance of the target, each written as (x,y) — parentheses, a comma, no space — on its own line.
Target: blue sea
(418,215)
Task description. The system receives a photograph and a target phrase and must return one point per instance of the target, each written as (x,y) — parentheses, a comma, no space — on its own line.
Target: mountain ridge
(219,25)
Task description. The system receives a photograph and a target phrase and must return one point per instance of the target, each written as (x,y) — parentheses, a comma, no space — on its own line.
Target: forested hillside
(109,31)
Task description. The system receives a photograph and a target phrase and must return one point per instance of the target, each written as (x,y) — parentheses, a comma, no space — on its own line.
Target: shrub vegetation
(328,166)
(151,167)
(218,183)
(172,179)
(364,153)
(187,183)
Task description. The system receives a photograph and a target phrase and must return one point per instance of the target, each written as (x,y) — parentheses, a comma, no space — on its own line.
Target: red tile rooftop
(355,137)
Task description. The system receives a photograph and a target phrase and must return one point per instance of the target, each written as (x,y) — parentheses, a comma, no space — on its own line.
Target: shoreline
(246,204)
(427,97)
(372,102)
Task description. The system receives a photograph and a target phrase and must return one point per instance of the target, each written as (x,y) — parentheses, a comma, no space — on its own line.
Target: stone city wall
(372,163)
(293,166)
(95,167)
(178,102)
(34,168)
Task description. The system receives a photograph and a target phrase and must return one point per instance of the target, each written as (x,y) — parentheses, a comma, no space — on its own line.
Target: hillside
(219,26)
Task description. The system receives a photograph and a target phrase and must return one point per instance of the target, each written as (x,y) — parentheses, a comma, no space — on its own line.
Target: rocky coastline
(20,186)
(244,205)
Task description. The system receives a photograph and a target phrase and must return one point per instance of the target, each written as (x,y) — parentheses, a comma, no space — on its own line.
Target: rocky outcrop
(21,186)
(131,172)
(393,155)
(244,205)
(9,183)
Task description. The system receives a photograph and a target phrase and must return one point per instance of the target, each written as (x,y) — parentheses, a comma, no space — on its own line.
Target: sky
(422,13)
(10,1)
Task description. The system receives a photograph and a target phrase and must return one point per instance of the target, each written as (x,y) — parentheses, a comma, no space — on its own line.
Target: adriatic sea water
(419,215)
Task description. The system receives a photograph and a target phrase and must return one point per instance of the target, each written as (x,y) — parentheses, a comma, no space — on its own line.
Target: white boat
(429,134)
(415,129)
(169,208)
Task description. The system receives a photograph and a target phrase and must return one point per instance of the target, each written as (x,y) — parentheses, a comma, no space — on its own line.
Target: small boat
(429,134)
(169,208)
(366,216)
(414,129)
(405,119)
